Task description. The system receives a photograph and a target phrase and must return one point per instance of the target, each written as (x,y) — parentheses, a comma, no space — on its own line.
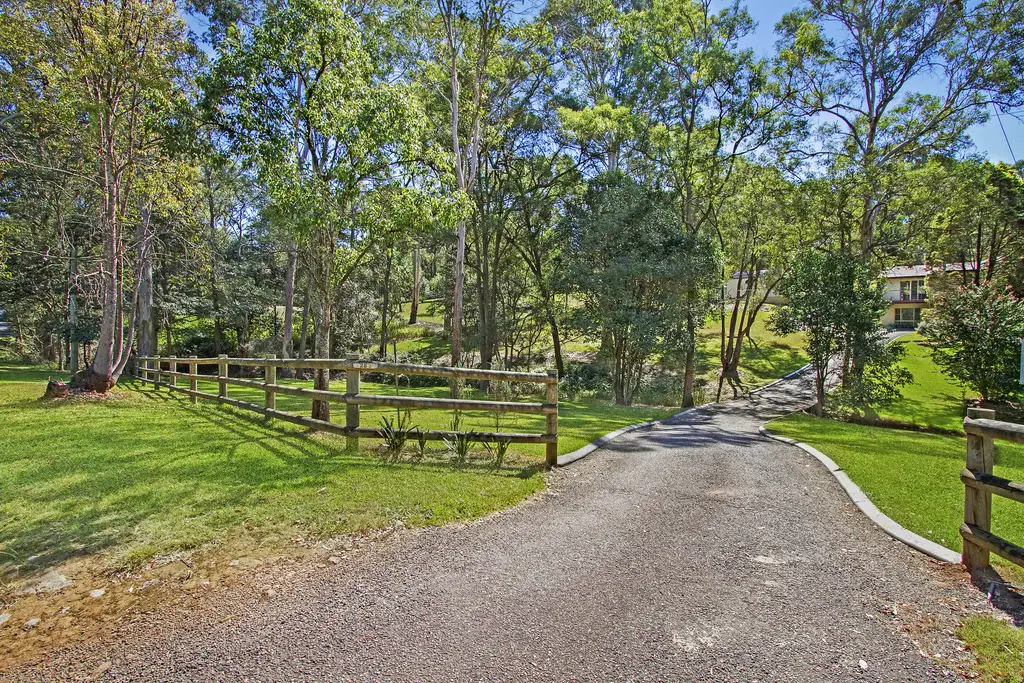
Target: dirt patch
(933,631)
(84,601)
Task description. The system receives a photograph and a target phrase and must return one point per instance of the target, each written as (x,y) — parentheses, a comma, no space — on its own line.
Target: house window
(908,316)
(912,290)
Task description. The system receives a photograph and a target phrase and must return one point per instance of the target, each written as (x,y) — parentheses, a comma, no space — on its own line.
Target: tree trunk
(460,268)
(74,362)
(382,350)
(556,341)
(304,334)
(289,302)
(147,332)
(690,363)
(322,349)
(417,279)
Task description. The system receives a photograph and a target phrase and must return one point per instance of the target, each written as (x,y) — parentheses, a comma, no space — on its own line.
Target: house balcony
(912,297)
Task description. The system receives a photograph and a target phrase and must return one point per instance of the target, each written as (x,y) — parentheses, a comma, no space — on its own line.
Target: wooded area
(569,185)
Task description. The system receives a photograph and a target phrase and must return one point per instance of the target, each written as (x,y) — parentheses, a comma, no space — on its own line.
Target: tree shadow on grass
(175,475)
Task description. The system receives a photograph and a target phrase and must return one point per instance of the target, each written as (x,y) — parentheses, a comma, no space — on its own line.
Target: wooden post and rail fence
(165,371)
(980,484)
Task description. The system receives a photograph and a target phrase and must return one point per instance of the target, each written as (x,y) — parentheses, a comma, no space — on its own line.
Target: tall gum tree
(119,65)
(308,70)
(862,70)
(710,104)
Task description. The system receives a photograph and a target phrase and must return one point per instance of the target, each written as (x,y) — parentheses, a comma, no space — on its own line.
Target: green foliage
(459,445)
(977,332)
(497,450)
(836,301)
(636,272)
(421,443)
(878,385)
(395,432)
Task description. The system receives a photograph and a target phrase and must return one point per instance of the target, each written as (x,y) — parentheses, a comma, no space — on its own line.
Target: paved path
(694,551)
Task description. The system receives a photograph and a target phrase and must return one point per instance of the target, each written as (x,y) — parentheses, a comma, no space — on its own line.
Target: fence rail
(980,485)
(152,369)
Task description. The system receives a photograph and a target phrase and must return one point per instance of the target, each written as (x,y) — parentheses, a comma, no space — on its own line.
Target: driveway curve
(696,550)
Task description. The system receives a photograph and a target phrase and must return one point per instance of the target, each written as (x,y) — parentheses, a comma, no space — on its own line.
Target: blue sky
(988,138)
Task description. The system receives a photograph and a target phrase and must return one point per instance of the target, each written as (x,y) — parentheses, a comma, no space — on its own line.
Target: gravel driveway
(694,551)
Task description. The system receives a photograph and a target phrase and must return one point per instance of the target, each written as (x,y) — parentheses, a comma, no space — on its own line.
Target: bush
(977,331)
(586,379)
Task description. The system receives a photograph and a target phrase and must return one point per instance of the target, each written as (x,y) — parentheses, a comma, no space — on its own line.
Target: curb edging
(600,442)
(583,452)
(795,373)
(880,519)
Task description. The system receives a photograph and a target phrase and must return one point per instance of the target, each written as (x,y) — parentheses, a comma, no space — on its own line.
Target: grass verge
(146,472)
(912,477)
(998,647)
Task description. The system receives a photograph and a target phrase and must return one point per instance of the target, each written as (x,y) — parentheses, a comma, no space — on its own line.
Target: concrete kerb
(581,453)
(882,521)
(795,373)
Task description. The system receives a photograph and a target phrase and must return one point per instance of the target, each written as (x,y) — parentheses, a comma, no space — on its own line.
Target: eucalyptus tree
(710,103)
(759,230)
(118,70)
(309,71)
(594,51)
(624,257)
(981,223)
(890,82)
(464,42)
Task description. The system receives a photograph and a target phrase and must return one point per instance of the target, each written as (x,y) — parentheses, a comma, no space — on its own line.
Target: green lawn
(430,311)
(998,646)
(764,360)
(147,472)
(912,477)
(932,399)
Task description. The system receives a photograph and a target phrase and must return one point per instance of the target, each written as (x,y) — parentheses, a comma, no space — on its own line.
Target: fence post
(551,449)
(159,366)
(147,373)
(193,383)
(172,366)
(271,379)
(978,504)
(222,372)
(351,409)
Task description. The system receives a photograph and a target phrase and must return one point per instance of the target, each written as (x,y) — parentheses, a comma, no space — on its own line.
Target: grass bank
(146,472)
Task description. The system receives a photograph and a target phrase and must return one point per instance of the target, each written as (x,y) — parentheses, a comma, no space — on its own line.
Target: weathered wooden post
(222,373)
(193,383)
(271,379)
(978,503)
(148,372)
(172,367)
(156,378)
(352,409)
(551,449)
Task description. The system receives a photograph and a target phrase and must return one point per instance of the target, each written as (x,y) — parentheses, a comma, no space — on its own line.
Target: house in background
(737,284)
(907,293)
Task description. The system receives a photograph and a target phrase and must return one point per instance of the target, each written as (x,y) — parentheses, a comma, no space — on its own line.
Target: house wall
(734,285)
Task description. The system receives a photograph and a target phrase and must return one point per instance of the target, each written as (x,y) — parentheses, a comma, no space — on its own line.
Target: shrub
(977,331)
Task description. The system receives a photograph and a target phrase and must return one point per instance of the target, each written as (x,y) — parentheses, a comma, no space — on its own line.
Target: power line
(1005,136)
